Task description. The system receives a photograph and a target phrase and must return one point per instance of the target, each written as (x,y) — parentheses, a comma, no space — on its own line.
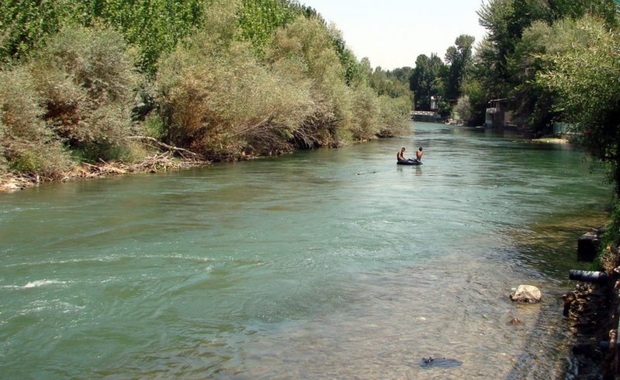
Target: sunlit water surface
(334,263)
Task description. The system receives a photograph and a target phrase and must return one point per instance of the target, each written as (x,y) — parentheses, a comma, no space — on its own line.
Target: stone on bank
(526,294)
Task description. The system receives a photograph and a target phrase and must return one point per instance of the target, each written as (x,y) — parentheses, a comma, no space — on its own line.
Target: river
(334,263)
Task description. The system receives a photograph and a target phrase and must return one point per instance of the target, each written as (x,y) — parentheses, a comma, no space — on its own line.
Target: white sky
(393,33)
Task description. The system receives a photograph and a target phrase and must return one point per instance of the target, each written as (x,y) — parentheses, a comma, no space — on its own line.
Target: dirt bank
(592,312)
(10,182)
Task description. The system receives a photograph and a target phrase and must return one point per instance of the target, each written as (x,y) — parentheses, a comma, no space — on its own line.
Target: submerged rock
(439,362)
(526,294)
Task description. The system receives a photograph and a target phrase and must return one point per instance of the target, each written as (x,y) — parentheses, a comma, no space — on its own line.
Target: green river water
(328,264)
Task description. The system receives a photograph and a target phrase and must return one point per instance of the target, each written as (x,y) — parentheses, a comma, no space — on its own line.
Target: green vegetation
(99,80)
(507,62)
(547,63)
(108,80)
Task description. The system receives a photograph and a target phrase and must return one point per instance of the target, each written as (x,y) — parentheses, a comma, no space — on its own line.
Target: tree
(506,64)
(259,20)
(427,80)
(458,57)
(26,145)
(24,24)
(391,83)
(574,10)
(87,79)
(152,27)
(220,100)
(588,98)
(505,21)
(463,108)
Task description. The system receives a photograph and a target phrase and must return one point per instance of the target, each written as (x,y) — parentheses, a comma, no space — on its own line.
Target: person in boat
(400,156)
(418,154)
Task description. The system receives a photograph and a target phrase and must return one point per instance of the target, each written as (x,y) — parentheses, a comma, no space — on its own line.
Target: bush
(394,119)
(219,101)
(365,124)
(306,45)
(87,82)
(26,144)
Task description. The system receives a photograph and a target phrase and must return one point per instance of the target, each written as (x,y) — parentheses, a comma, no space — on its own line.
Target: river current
(334,263)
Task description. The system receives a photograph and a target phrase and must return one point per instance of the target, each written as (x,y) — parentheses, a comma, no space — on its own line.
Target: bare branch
(164,145)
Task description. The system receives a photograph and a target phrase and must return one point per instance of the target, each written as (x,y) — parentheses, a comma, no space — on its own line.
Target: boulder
(526,294)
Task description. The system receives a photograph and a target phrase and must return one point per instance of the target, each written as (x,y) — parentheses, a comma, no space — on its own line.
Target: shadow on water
(432,362)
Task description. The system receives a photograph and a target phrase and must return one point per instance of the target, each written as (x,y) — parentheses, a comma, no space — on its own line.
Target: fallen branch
(164,145)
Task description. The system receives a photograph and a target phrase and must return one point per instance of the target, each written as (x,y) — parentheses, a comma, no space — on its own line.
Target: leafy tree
(605,9)
(401,74)
(427,80)
(393,84)
(588,98)
(477,100)
(26,145)
(218,100)
(24,24)
(394,116)
(506,63)
(458,57)
(463,108)
(505,21)
(305,49)
(259,20)
(86,79)
(154,27)
(366,113)
(353,72)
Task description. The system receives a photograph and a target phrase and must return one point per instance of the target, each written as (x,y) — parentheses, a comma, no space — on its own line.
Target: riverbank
(10,182)
(592,313)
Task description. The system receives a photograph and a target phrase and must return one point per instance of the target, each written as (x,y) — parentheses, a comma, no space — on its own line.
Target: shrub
(306,45)
(87,82)
(365,125)
(26,144)
(219,101)
(394,119)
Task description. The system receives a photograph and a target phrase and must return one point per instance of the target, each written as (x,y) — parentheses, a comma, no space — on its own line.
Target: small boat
(409,162)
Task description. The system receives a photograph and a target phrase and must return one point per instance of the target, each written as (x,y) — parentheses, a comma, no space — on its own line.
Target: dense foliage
(583,74)
(504,65)
(547,62)
(553,62)
(507,62)
(437,84)
(88,81)
(557,61)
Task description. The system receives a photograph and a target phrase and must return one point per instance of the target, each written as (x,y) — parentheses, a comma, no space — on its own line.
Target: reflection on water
(326,264)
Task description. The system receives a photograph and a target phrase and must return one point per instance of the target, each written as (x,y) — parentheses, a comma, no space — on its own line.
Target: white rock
(526,293)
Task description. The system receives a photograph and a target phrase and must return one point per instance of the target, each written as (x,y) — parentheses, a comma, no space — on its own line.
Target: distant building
(497,115)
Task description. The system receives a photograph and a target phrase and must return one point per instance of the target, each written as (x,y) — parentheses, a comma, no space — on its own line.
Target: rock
(526,294)
(515,321)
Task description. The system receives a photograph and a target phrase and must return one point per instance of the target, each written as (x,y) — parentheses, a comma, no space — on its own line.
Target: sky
(393,33)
